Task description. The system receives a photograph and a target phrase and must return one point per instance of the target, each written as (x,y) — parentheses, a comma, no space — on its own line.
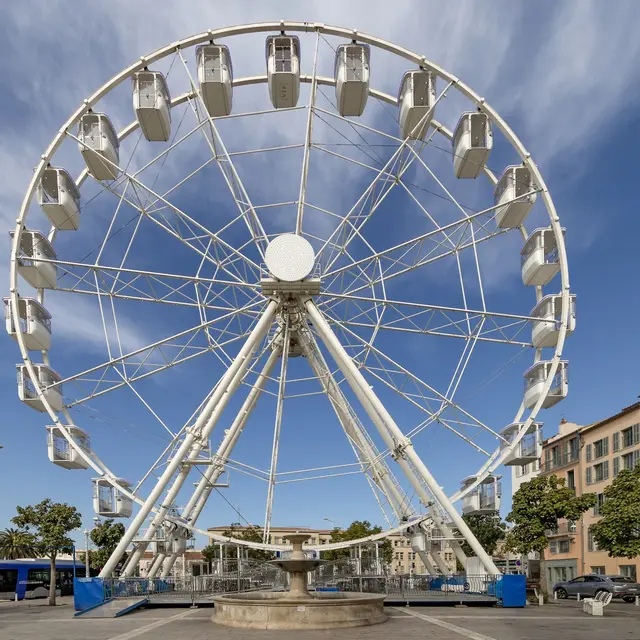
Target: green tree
(250,534)
(209,553)
(356,530)
(488,528)
(618,531)
(17,544)
(50,524)
(105,536)
(537,506)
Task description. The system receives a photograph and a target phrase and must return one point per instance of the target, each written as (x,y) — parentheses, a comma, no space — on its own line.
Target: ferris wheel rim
(500,454)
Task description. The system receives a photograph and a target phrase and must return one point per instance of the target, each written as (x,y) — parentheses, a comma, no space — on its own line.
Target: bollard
(578,597)
(555,595)
(637,601)
(540,599)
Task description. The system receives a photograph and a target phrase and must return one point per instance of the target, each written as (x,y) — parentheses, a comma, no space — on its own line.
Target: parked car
(590,585)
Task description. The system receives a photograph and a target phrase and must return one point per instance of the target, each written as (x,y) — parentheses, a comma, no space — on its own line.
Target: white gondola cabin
(109,501)
(99,145)
(34,247)
(59,198)
(46,378)
(545,331)
(152,105)
(283,70)
(485,498)
(539,257)
(351,70)
(516,184)
(472,142)
(215,76)
(34,323)
(529,449)
(535,379)
(416,99)
(64,454)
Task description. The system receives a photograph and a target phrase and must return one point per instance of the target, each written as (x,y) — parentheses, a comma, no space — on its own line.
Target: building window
(571,480)
(589,452)
(588,475)
(616,466)
(631,435)
(563,546)
(616,441)
(600,571)
(628,571)
(629,460)
(553,547)
(601,471)
(592,545)
(601,447)
(571,526)
(597,509)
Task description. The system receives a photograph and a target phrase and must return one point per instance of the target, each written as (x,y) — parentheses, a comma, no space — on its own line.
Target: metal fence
(268,578)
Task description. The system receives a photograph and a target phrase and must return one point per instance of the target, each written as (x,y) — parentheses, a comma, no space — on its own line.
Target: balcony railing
(560,461)
(563,530)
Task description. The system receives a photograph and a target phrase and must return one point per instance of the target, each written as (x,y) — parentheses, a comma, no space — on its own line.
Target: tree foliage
(250,534)
(618,531)
(210,553)
(105,536)
(15,543)
(50,524)
(537,507)
(356,530)
(488,528)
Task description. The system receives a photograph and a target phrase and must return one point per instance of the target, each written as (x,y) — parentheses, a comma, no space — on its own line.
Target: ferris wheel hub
(290,257)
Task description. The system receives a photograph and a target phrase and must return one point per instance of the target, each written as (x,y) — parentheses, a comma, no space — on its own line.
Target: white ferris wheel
(326,230)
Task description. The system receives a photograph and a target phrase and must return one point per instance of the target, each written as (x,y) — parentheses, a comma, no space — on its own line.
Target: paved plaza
(563,621)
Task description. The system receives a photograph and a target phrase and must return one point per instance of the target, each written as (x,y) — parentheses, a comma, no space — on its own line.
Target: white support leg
(196,432)
(276,430)
(157,561)
(400,444)
(184,472)
(201,494)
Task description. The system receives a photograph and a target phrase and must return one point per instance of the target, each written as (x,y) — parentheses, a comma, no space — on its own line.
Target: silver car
(590,585)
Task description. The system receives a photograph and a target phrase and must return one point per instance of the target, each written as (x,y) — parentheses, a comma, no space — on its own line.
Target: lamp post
(335,523)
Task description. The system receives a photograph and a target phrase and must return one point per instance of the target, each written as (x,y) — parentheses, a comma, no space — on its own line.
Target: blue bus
(31,578)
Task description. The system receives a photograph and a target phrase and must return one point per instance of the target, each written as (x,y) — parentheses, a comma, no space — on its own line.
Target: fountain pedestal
(297,608)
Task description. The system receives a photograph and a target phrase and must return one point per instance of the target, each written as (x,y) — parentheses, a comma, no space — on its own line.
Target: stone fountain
(297,608)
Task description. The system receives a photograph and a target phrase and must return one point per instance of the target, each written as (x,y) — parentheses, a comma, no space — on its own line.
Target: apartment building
(405,561)
(589,458)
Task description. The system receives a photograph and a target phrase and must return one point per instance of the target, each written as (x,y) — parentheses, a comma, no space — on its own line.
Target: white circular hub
(289,257)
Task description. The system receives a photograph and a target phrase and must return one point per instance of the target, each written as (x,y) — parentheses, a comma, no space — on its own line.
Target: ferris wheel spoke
(420,251)
(307,141)
(227,167)
(148,286)
(182,218)
(411,317)
(162,355)
(398,377)
(356,214)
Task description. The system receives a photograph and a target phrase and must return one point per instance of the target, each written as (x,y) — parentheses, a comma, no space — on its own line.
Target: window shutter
(616,466)
(588,475)
(636,457)
(605,469)
(616,441)
(589,452)
(636,433)
(605,446)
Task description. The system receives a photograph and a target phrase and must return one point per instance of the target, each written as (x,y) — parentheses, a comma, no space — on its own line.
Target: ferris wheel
(297,240)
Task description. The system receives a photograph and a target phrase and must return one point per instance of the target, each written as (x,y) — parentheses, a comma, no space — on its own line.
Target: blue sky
(563,77)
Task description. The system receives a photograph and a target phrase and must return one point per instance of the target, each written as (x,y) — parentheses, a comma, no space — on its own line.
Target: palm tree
(17,544)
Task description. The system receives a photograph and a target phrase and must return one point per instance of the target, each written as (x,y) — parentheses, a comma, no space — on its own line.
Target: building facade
(405,561)
(589,458)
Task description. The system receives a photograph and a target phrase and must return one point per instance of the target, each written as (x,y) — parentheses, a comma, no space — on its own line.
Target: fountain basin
(278,610)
